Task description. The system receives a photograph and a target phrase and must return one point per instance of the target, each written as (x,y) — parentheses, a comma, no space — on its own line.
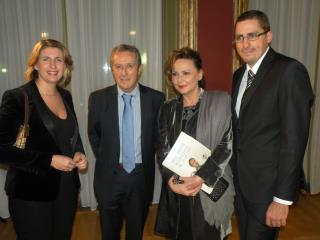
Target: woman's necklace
(193,103)
(49,94)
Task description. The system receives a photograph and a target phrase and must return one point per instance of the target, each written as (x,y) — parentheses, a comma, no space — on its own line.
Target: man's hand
(277,214)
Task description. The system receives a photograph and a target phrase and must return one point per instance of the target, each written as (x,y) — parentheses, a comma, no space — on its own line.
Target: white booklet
(186,157)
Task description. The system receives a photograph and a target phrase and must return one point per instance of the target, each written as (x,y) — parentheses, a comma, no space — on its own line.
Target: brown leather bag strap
(26,108)
(23,132)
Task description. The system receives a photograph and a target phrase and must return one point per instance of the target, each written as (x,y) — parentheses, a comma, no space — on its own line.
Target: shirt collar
(134,92)
(256,66)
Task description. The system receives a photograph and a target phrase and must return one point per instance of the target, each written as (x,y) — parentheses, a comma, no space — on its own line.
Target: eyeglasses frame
(253,37)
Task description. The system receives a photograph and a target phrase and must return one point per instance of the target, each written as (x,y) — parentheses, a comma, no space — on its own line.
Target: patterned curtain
(181,32)
(188,24)
(240,6)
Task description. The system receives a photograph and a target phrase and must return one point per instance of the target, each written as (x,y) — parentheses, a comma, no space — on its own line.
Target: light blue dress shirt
(136,121)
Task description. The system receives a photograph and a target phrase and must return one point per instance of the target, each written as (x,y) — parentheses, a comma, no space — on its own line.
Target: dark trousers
(53,220)
(251,219)
(128,202)
(191,224)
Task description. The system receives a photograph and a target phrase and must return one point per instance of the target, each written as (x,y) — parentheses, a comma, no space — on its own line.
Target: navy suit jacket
(103,131)
(271,132)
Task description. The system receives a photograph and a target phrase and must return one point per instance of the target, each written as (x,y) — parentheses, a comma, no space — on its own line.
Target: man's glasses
(250,37)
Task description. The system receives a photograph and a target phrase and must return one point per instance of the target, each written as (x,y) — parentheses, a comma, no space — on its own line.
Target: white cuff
(285,202)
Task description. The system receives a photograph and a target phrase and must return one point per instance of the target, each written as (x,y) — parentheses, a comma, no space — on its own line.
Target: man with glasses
(272,97)
(121,130)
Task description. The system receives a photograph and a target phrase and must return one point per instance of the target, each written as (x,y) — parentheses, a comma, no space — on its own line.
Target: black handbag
(219,188)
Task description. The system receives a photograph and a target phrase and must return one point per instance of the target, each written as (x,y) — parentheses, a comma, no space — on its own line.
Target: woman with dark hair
(42,181)
(185,211)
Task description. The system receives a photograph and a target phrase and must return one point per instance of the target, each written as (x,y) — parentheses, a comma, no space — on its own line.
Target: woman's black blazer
(30,176)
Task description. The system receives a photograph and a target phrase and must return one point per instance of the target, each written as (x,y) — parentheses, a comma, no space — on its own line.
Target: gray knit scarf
(214,121)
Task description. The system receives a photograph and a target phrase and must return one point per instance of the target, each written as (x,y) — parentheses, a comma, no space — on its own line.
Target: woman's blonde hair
(31,73)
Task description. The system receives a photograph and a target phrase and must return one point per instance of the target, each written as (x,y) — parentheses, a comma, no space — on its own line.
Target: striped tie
(249,82)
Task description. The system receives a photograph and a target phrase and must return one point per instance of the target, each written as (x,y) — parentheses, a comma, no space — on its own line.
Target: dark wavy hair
(183,53)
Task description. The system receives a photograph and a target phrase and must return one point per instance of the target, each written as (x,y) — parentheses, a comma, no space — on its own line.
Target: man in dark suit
(122,136)
(272,97)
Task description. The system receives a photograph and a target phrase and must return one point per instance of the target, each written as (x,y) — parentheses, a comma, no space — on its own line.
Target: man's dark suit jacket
(271,132)
(30,176)
(103,131)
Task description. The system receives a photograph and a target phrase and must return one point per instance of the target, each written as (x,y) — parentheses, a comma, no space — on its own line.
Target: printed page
(186,157)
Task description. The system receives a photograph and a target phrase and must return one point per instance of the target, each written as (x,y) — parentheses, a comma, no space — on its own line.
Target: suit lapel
(43,113)
(236,85)
(71,113)
(111,112)
(144,103)
(259,77)
(41,108)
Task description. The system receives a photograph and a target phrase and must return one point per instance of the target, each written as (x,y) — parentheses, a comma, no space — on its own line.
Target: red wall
(215,30)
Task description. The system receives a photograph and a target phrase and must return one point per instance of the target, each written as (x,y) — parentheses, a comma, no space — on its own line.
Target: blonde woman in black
(42,181)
